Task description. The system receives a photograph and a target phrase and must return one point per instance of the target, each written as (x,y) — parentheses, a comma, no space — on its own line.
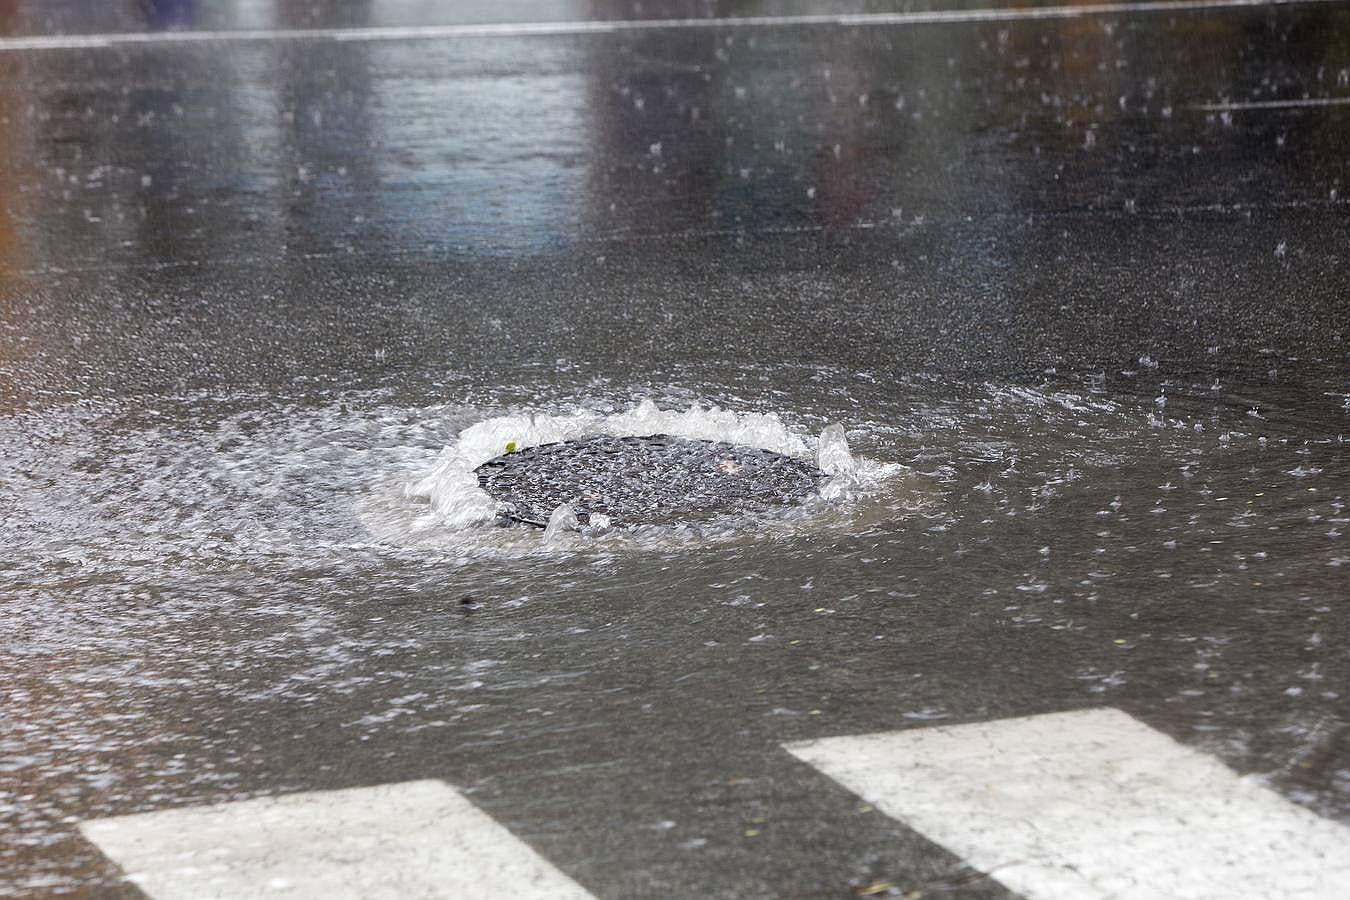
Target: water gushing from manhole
(643,476)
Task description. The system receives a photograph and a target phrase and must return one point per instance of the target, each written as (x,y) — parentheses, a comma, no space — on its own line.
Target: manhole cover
(656,480)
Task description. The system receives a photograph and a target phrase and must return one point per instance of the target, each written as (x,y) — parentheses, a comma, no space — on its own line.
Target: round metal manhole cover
(656,480)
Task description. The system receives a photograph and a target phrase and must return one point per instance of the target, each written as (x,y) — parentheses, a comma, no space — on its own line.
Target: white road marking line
(1273,104)
(555,29)
(1091,804)
(415,839)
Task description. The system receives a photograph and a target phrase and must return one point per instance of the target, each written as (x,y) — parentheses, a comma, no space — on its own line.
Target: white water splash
(833,456)
(561,520)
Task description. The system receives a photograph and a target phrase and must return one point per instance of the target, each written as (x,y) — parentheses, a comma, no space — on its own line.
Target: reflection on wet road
(1075,289)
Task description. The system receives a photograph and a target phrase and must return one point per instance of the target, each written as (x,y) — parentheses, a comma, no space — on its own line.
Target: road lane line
(415,839)
(1302,103)
(1091,804)
(556,29)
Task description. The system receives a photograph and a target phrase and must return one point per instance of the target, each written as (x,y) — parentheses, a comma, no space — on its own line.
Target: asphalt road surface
(1069,619)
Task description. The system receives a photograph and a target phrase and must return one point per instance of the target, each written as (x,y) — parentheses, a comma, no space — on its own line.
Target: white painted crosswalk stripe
(1092,804)
(416,839)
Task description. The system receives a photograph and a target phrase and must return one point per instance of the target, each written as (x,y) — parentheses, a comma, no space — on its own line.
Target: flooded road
(1075,290)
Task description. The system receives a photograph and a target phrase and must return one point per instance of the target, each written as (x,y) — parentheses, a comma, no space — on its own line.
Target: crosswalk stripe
(1091,804)
(414,839)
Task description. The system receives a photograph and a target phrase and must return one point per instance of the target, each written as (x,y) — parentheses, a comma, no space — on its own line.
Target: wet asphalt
(828,220)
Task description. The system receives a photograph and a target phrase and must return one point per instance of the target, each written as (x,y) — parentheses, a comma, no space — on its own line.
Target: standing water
(575,418)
